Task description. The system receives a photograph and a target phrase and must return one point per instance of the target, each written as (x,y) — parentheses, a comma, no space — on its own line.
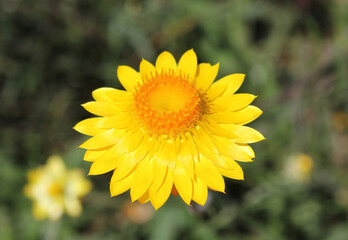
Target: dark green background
(294,53)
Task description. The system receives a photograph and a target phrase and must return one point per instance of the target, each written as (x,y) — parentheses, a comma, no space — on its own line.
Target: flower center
(55,189)
(168,103)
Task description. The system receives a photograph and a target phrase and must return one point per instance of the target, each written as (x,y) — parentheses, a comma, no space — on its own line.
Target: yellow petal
(236,172)
(130,160)
(207,77)
(132,140)
(106,94)
(246,134)
(239,153)
(142,179)
(206,146)
(160,169)
(117,188)
(145,198)
(146,69)
(128,77)
(102,140)
(167,153)
(225,86)
(106,162)
(190,141)
(91,155)
(233,102)
(101,108)
(160,197)
(204,140)
(200,191)
(217,160)
(216,129)
(165,61)
(101,167)
(230,149)
(246,148)
(55,165)
(39,212)
(125,167)
(88,127)
(119,121)
(73,207)
(215,91)
(209,174)
(208,149)
(202,67)
(188,64)
(186,159)
(183,183)
(94,154)
(243,116)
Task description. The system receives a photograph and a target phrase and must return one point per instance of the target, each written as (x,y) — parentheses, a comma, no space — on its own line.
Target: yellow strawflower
(299,167)
(55,190)
(172,131)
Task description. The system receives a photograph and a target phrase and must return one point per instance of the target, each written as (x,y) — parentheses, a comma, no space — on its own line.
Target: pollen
(168,103)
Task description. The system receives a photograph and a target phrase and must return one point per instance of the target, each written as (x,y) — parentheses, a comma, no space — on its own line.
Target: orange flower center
(168,103)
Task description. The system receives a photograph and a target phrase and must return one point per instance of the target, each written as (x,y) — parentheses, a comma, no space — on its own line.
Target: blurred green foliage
(295,55)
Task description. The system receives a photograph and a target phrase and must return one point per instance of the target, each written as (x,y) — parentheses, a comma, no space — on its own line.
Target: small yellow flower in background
(55,190)
(172,131)
(299,167)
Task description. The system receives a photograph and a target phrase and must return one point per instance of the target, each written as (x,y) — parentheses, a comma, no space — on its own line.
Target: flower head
(172,131)
(55,190)
(299,167)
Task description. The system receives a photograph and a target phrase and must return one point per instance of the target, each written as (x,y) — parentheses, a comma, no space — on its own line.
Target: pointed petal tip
(81,146)
(156,206)
(91,173)
(191,50)
(76,126)
(217,65)
(201,203)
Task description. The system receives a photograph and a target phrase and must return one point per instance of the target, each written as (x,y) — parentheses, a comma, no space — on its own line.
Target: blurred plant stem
(52,229)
